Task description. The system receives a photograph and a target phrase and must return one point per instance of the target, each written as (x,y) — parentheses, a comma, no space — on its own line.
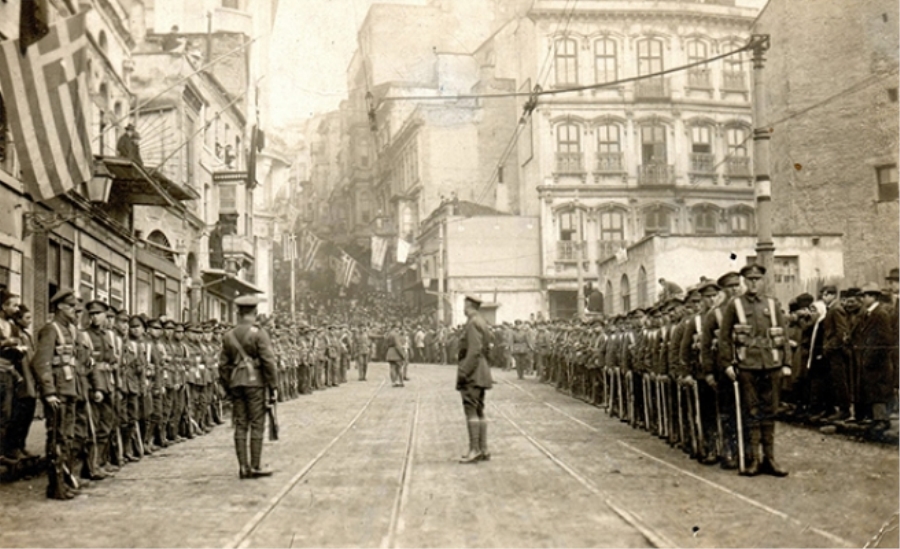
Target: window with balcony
(650,61)
(612,233)
(698,77)
(625,289)
(566,61)
(705,219)
(887,182)
(737,164)
(571,225)
(605,67)
(734,76)
(655,169)
(740,220)
(609,149)
(702,158)
(657,220)
(568,149)
(227,199)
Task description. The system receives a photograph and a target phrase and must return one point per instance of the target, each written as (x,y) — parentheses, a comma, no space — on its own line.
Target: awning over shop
(226,284)
(134,184)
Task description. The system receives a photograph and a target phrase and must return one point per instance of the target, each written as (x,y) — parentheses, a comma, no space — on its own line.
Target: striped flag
(311,245)
(379,251)
(348,265)
(46,93)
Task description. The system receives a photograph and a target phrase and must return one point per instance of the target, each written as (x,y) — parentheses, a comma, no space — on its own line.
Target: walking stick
(740,426)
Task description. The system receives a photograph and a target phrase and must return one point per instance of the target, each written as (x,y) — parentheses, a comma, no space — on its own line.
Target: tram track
(279,502)
(803,526)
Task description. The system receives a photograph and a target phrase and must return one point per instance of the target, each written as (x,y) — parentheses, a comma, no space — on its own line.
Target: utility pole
(440,273)
(765,247)
(579,296)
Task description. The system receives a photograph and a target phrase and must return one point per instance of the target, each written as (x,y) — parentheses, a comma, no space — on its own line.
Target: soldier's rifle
(272,413)
(740,426)
(63,475)
(660,410)
(646,385)
(699,420)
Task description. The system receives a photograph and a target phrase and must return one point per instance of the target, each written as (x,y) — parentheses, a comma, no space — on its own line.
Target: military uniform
(473,378)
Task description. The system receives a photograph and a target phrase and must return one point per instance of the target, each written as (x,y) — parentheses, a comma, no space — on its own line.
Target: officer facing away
(249,374)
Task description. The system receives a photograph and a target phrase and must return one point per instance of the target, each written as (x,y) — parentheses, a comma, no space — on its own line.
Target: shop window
(159,295)
(87,284)
(117,289)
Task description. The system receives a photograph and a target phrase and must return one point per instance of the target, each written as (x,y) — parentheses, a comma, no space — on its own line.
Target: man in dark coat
(473,378)
(872,344)
(248,371)
(835,332)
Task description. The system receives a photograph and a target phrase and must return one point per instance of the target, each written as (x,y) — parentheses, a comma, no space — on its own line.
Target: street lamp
(100,184)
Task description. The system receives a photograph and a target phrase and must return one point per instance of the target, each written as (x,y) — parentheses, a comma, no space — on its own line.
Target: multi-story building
(618,161)
(831,93)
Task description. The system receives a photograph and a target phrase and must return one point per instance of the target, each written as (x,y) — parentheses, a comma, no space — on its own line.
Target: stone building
(831,78)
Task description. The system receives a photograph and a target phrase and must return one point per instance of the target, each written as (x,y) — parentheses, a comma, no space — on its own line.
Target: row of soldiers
(114,387)
(682,368)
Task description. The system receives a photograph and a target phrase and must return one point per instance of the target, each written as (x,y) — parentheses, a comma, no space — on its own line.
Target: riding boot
(752,467)
(474,454)
(769,464)
(240,448)
(255,458)
(485,454)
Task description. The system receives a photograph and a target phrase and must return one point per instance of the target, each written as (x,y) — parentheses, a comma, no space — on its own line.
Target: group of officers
(684,367)
(114,387)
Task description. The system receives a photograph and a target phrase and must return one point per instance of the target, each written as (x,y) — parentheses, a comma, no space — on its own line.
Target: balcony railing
(699,78)
(656,174)
(608,248)
(233,244)
(734,81)
(738,166)
(569,163)
(610,162)
(652,88)
(568,250)
(704,163)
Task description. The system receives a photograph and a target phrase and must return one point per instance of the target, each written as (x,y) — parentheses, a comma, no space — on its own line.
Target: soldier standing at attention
(753,342)
(473,378)
(247,369)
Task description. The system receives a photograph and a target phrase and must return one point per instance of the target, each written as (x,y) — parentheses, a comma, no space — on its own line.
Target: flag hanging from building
(345,269)
(46,96)
(311,245)
(379,251)
(34,22)
(402,250)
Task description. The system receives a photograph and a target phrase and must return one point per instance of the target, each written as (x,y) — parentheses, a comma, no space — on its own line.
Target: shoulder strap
(698,324)
(772,315)
(238,344)
(718,312)
(739,309)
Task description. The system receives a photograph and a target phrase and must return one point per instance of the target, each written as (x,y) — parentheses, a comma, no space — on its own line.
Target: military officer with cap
(247,368)
(473,378)
(754,344)
(54,368)
(102,380)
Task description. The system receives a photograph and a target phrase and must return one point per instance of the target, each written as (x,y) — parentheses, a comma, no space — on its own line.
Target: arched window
(162,244)
(698,77)
(568,149)
(706,219)
(571,225)
(737,163)
(566,61)
(740,220)
(657,220)
(650,56)
(609,148)
(612,225)
(642,287)
(626,294)
(605,69)
(734,76)
(702,157)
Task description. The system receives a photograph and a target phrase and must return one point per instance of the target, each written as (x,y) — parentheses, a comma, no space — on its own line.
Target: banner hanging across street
(46,92)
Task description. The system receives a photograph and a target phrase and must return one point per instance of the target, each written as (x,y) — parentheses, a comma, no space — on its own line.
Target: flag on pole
(46,95)
(379,251)
(402,250)
(346,269)
(311,245)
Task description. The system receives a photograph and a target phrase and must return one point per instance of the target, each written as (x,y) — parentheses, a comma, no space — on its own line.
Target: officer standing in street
(473,378)
(248,370)
(754,343)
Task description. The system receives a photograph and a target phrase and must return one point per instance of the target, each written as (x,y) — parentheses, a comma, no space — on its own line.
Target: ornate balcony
(656,174)
(567,251)
(700,78)
(734,81)
(237,245)
(608,248)
(569,163)
(703,163)
(738,166)
(610,162)
(652,89)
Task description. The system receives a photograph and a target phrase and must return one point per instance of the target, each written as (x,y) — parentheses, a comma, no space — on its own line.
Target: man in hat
(128,145)
(247,369)
(872,344)
(473,378)
(102,382)
(11,355)
(155,437)
(54,368)
(754,345)
(132,369)
(835,355)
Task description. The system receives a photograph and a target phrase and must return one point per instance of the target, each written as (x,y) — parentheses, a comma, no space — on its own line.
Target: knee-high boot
(240,449)
(768,442)
(483,444)
(474,454)
(256,457)
(752,457)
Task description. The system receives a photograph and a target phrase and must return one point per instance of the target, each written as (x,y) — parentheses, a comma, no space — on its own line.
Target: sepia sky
(312,43)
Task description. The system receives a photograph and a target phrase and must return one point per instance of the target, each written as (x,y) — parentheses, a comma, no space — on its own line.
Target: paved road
(369,465)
